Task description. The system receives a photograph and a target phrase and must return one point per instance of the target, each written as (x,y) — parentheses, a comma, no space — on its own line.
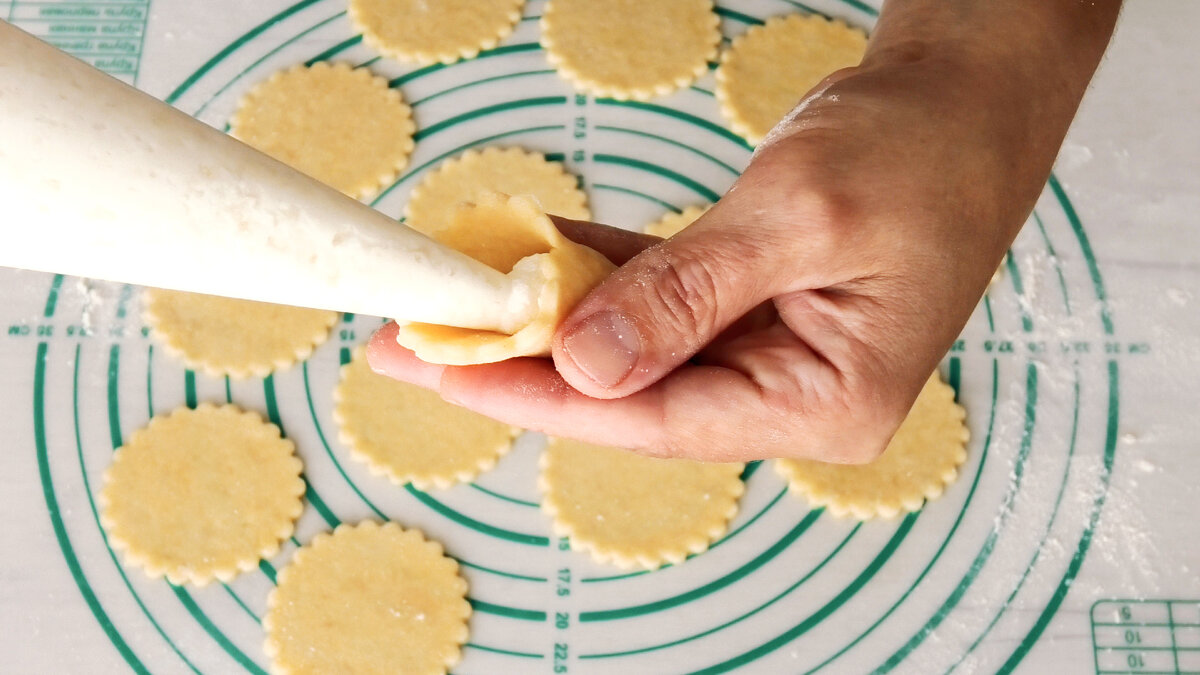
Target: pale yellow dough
(511,171)
(431,31)
(673,223)
(922,459)
(202,494)
(767,70)
(367,599)
(238,338)
(345,127)
(636,511)
(630,49)
(499,231)
(410,434)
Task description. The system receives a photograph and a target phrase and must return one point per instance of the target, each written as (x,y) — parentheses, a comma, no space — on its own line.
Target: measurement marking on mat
(1146,636)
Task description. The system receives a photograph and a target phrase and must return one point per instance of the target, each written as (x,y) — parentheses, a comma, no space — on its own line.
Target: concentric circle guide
(788,589)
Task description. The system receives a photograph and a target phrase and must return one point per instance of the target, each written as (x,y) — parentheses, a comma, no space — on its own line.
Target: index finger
(612,242)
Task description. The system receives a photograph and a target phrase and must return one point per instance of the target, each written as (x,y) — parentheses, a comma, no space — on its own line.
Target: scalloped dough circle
(627,49)
(506,232)
(410,434)
(632,510)
(511,171)
(367,599)
(755,92)
(425,32)
(238,338)
(344,127)
(922,459)
(673,223)
(202,494)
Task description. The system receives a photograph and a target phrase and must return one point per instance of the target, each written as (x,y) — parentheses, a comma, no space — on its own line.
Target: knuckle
(862,450)
(813,215)
(873,414)
(843,423)
(685,294)
(682,438)
(675,446)
(811,204)
(825,220)
(839,75)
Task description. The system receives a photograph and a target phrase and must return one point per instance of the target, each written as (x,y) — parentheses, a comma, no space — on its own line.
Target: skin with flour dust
(800,316)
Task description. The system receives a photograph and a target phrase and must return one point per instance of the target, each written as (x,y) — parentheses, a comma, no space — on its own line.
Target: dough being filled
(922,459)
(506,232)
(202,494)
(367,598)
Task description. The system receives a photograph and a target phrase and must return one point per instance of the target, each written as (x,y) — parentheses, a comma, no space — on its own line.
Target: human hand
(801,315)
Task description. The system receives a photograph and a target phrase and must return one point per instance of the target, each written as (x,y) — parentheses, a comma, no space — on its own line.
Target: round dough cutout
(425,32)
(922,459)
(202,494)
(238,338)
(629,49)
(636,511)
(673,223)
(409,434)
(367,599)
(756,92)
(511,171)
(343,126)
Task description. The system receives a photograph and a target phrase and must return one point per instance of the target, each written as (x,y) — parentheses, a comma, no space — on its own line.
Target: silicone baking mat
(1012,567)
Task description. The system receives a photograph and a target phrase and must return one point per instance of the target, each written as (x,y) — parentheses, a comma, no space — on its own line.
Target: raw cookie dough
(345,127)
(427,32)
(367,599)
(410,434)
(499,231)
(922,459)
(202,493)
(673,223)
(627,49)
(633,510)
(999,273)
(512,171)
(238,338)
(756,92)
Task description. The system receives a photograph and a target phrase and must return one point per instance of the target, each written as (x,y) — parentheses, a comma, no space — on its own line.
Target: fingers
(614,243)
(530,393)
(387,357)
(771,395)
(663,306)
(526,392)
(764,394)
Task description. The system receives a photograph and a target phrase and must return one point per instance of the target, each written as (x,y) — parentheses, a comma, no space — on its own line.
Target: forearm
(1008,76)
(1065,37)
(1043,51)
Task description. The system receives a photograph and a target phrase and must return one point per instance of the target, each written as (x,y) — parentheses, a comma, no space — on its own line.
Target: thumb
(662,307)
